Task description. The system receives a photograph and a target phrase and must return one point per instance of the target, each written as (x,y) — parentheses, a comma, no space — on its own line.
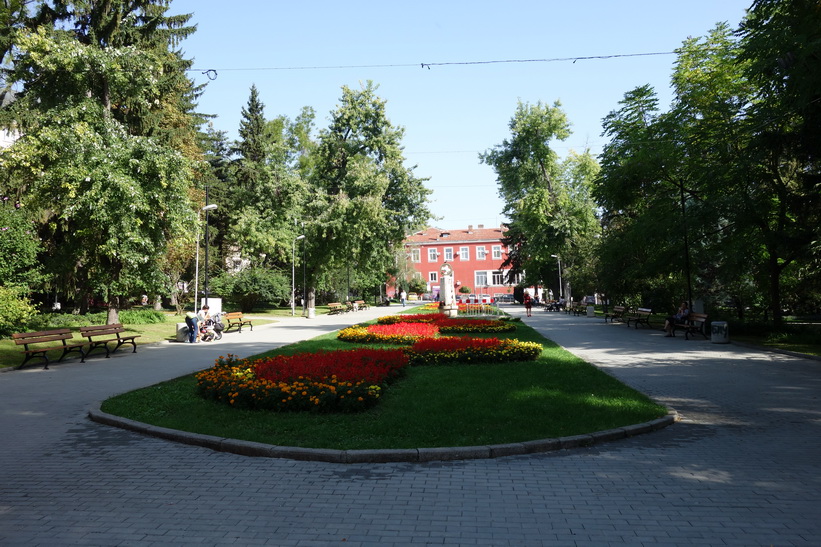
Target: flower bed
(437,351)
(399,333)
(281,383)
(349,380)
(449,324)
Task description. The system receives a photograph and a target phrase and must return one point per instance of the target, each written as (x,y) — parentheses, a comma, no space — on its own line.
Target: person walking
(402,296)
(528,305)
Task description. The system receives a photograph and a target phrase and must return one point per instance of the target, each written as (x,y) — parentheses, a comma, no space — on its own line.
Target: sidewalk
(743,467)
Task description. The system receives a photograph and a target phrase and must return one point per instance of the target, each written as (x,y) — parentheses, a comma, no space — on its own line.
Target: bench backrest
(644,311)
(42,336)
(334,304)
(621,309)
(232,315)
(102,330)
(697,317)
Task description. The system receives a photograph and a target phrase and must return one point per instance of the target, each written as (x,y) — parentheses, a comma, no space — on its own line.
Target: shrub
(16,310)
(252,286)
(141,317)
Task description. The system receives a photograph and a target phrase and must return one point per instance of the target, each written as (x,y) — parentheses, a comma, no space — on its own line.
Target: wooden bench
(361,305)
(235,319)
(99,336)
(617,314)
(336,307)
(26,339)
(579,308)
(696,323)
(640,317)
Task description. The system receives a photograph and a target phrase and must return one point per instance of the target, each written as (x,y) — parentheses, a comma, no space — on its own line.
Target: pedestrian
(191,321)
(528,304)
(402,296)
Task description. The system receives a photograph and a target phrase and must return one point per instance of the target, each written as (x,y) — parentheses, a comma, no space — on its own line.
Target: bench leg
(29,356)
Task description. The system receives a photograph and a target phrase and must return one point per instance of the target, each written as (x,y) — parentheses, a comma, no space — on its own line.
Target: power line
(212,73)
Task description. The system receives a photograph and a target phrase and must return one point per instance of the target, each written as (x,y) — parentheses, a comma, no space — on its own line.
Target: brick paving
(740,468)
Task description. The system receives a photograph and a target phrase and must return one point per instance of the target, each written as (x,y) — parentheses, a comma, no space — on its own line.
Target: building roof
(434,236)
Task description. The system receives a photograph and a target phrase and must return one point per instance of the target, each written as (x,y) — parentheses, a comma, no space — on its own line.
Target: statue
(447,291)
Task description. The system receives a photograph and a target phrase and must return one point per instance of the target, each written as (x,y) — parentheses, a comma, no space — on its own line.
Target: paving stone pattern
(740,468)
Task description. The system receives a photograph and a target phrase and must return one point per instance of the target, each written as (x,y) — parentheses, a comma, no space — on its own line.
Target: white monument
(447,291)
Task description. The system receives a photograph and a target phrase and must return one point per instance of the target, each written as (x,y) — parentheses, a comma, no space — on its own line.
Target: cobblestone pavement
(741,468)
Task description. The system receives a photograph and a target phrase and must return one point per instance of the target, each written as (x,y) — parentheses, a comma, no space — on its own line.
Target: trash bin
(720,332)
(591,311)
(182,332)
(311,313)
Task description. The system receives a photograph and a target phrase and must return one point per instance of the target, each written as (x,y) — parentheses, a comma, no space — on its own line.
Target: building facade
(476,255)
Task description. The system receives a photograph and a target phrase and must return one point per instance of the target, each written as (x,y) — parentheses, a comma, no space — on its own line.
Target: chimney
(481,226)
(470,227)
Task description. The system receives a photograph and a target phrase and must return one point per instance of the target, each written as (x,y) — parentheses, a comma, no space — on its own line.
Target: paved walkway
(741,468)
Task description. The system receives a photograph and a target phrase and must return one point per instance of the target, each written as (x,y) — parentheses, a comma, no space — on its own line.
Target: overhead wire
(212,73)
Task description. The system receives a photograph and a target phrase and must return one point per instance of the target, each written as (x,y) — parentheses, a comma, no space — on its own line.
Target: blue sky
(450,113)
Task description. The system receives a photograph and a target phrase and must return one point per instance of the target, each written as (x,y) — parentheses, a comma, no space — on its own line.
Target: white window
(481,252)
(498,278)
(433,277)
(417,275)
(432,255)
(416,256)
(449,254)
(481,280)
(464,253)
(497,252)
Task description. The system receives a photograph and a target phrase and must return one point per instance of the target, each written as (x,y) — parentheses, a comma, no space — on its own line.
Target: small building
(476,255)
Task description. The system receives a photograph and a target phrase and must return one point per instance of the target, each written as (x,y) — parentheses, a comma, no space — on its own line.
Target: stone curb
(261,450)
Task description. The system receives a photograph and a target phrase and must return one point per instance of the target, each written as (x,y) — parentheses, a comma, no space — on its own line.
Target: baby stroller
(212,329)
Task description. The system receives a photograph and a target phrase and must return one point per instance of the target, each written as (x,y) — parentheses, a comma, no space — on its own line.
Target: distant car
(413,296)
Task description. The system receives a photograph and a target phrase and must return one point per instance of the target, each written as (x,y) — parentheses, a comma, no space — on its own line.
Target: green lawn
(458,405)
(11,354)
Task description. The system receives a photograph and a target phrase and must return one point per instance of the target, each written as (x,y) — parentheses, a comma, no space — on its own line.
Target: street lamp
(559,262)
(293,271)
(207,208)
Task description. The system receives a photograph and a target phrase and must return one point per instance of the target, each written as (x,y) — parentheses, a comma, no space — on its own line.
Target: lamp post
(207,209)
(559,262)
(293,272)
(197,260)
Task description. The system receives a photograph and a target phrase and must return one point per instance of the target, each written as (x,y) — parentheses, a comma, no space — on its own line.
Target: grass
(11,355)
(459,405)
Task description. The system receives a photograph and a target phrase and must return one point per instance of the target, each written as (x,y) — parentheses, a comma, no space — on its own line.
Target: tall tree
(548,203)
(364,199)
(112,193)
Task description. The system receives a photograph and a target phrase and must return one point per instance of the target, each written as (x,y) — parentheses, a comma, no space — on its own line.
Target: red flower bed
(425,330)
(374,366)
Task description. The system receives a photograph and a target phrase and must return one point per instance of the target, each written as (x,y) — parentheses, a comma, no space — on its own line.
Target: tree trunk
(113,311)
(775,290)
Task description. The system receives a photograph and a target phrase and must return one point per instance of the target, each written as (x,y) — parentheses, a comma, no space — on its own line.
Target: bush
(253,286)
(141,317)
(16,310)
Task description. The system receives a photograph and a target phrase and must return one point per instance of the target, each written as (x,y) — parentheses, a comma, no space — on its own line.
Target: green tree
(268,191)
(113,199)
(548,202)
(19,247)
(363,200)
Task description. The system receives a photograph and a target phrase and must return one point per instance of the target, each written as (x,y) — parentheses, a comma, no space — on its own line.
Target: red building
(476,256)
